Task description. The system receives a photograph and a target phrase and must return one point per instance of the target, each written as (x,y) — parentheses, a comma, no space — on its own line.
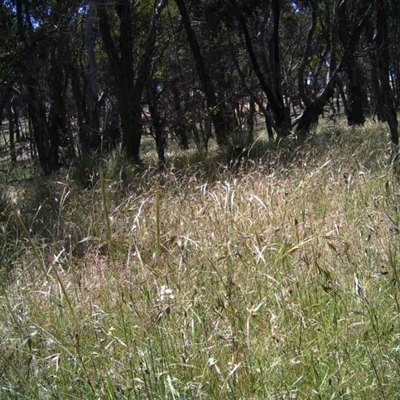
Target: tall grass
(278,280)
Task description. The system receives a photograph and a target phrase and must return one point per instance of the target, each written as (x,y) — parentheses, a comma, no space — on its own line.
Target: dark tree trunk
(311,114)
(376,91)
(180,125)
(92,125)
(111,130)
(123,74)
(354,109)
(269,122)
(315,106)
(128,101)
(273,93)
(5,94)
(215,112)
(382,46)
(80,108)
(395,76)
(84,89)
(128,92)
(32,147)
(342,95)
(57,114)
(283,111)
(250,122)
(355,114)
(338,101)
(15,112)
(11,131)
(376,95)
(48,124)
(157,123)
(46,150)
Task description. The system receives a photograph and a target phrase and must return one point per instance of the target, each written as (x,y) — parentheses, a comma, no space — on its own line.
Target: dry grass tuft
(278,279)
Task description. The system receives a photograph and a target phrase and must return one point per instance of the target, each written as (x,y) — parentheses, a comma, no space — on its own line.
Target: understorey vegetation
(272,277)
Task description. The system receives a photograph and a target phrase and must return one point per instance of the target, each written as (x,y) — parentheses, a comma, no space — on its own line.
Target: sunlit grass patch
(278,279)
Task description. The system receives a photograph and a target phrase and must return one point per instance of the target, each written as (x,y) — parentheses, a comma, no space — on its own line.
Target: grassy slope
(279,281)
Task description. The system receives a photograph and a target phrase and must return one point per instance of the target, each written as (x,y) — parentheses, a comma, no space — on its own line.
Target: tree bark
(382,44)
(214,110)
(11,130)
(315,106)
(37,115)
(354,110)
(92,141)
(128,92)
(274,94)
(180,125)
(157,122)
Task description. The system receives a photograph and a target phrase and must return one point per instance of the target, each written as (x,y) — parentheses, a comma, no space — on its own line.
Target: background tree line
(83,77)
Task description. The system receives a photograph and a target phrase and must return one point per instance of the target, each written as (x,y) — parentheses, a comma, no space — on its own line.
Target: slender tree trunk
(215,112)
(92,125)
(122,69)
(269,121)
(57,112)
(80,107)
(128,102)
(128,92)
(15,112)
(283,111)
(11,131)
(311,114)
(5,94)
(354,110)
(355,114)
(157,123)
(32,147)
(314,107)
(180,125)
(111,131)
(250,122)
(280,112)
(376,95)
(342,96)
(382,46)
(37,115)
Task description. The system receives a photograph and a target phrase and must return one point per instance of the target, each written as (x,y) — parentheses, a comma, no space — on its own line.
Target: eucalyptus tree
(167,86)
(331,57)
(382,53)
(355,102)
(43,30)
(9,56)
(265,19)
(90,132)
(130,56)
(394,48)
(8,62)
(179,78)
(214,109)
